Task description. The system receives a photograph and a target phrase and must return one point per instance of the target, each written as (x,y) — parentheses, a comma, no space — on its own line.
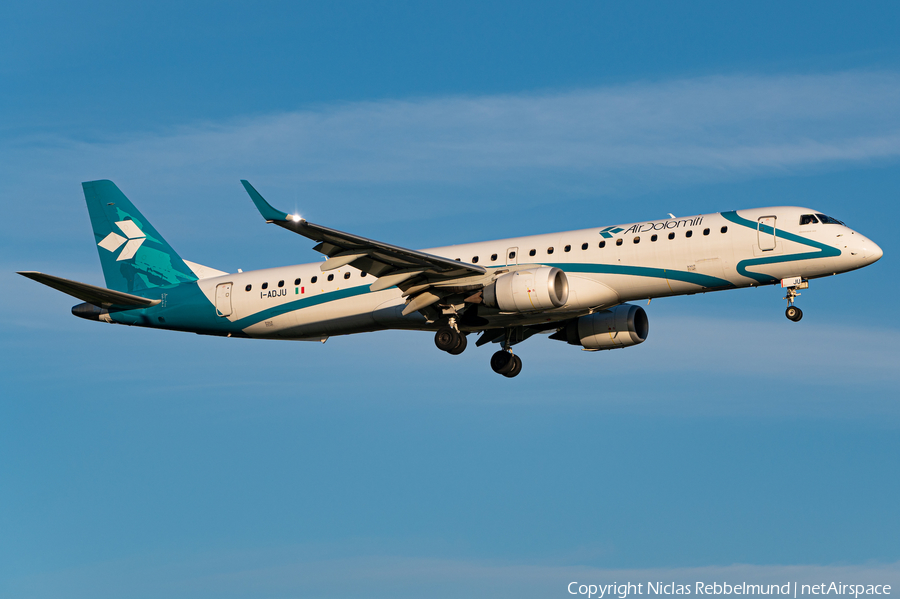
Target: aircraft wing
(98,296)
(392,264)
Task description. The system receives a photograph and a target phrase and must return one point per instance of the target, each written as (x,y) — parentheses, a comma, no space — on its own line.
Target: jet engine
(529,290)
(622,326)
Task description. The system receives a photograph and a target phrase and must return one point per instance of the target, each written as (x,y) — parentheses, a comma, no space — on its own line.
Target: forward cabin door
(765,231)
(223,299)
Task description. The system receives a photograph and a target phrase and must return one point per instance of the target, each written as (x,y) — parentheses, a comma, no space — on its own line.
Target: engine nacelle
(617,327)
(529,290)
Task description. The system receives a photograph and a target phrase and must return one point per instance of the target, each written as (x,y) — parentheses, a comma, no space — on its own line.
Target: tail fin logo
(133,239)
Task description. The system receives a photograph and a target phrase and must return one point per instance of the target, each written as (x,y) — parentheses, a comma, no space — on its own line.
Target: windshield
(808,219)
(827,220)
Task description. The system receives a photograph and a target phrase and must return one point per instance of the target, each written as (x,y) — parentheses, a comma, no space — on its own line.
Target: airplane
(575,286)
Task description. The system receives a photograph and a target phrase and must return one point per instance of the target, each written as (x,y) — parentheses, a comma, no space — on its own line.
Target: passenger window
(532,252)
(314,279)
(512,255)
(637,239)
(568,248)
(265,285)
(602,244)
(296,281)
(549,250)
(654,237)
(248,287)
(347,275)
(493,257)
(706,231)
(584,246)
(281,283)
(474,259)
(619,241)
(808,219)
(362,274)
(330,277)
(724,229)
(688,233)
(671,235)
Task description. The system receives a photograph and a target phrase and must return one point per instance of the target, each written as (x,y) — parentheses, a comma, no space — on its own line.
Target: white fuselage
(636,261)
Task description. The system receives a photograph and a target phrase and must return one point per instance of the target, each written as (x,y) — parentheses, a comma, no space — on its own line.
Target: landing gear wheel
(446,339)
(502,362)
(516,369)
(793,313)
(460,345)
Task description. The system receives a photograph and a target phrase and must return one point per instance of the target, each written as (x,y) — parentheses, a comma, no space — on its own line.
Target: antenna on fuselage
(672,215)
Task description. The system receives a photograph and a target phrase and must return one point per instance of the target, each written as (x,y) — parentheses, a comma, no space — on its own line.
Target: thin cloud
(294,572)
(714,127)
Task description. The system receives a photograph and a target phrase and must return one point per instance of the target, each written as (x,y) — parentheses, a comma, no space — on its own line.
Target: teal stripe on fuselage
(187,308)
(825,251)
(299,304)
(646,271)
(701,280)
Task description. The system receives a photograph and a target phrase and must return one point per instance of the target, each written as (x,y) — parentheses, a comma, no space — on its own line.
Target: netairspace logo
(135,237)
(790,589)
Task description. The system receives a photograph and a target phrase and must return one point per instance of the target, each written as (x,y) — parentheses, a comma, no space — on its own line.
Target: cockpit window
(808,219)
(827,220)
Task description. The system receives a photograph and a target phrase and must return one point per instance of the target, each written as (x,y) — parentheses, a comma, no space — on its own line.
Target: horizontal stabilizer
(98,296)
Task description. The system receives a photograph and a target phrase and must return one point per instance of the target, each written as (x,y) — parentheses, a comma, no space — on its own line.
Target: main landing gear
(506,363)
(450,340)
(792,285)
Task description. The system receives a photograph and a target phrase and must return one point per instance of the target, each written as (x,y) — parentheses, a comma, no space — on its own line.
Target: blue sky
(731,445)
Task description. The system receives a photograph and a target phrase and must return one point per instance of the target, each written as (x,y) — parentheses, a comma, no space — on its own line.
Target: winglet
(268,212)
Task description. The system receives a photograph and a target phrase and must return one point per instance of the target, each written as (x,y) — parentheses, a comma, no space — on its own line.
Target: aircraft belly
(588,292)
(389,315)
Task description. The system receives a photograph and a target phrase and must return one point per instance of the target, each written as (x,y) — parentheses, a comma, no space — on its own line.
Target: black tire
(794,313)
(460,345)
(446,339)
(502,362)
(516,369)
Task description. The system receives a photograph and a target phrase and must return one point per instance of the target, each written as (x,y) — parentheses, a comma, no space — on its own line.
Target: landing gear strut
(793,312)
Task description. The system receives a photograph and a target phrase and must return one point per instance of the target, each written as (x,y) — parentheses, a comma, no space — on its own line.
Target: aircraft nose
(873,253)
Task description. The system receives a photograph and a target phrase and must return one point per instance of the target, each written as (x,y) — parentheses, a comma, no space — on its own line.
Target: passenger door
(766,233)
(223,299)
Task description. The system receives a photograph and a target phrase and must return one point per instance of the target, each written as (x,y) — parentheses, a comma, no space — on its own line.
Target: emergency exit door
(766,232)
(223,299)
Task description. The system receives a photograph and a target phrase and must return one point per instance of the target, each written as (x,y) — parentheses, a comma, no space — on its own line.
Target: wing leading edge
(393,265)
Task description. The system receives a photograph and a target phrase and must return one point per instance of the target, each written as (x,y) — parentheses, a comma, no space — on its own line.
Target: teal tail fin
(134,256)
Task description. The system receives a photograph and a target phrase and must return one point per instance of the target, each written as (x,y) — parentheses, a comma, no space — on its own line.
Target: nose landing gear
(792,285)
